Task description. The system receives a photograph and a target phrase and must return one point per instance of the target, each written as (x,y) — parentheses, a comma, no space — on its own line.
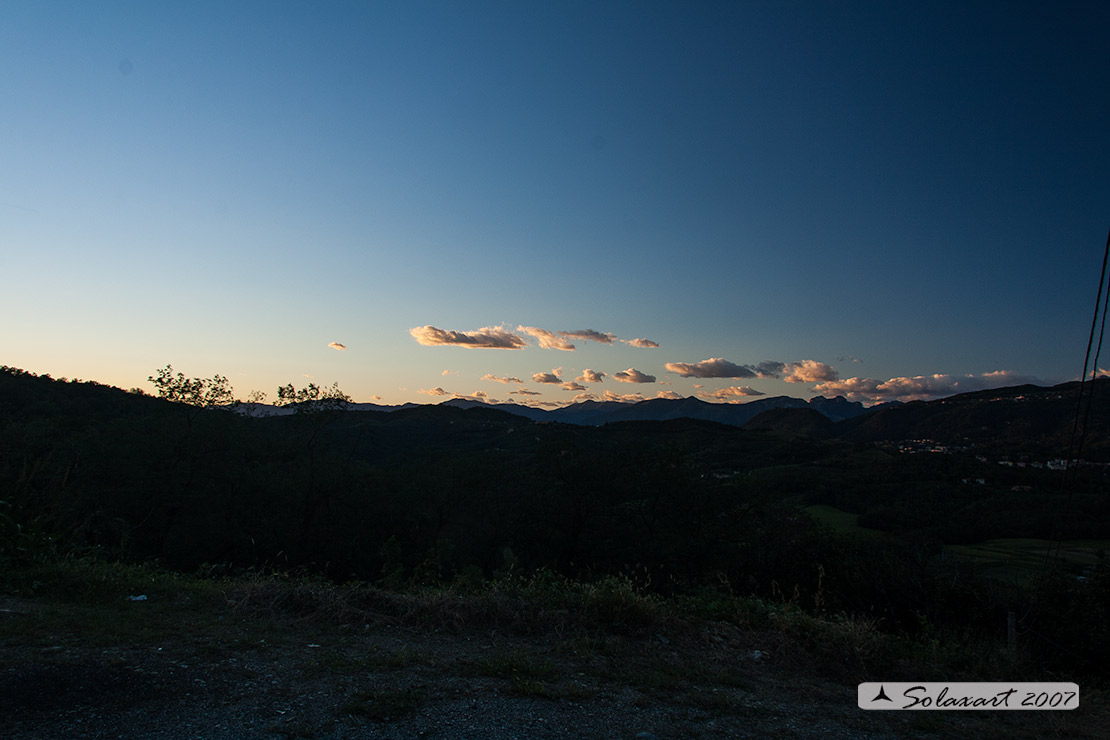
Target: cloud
(437,391)
(547,339)
(496,379)
(622,398)
(809,371)
(479,396)
(375,397)
(732,393)
(714,367)
(571,386)
(584,397)
(848,358)
(920,387)
(632,375)
(768,369)
(642,343)
(490,337)
(669,394)
(445,373)
(591,335)
(337,345)
(551,377)
(590,376)
(804,371)
(524,392)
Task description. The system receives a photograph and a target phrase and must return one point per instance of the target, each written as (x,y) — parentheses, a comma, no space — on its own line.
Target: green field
(839,521)
(1018,559)
(1012,559)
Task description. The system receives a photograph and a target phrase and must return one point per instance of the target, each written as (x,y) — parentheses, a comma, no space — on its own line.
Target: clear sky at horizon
(876,199)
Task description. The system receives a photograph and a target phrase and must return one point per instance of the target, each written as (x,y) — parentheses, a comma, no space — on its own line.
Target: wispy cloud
(445,373)
(337,345)
(524,392)
(920,387)
(437,391)
(551,377)
(670,395)
(490,337)
(732,393)
(584,397)
(632,375)
(590,376)
(547,339)
(642,343)
(591,335)
(497,379)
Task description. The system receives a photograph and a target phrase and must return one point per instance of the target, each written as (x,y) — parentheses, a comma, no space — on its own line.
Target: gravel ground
(247,679)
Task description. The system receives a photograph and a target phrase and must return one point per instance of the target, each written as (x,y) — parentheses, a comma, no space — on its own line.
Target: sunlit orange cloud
(625,398)
(920,387)
(732,393)
(804,371)
(525,392)
(547,339)
(490,337)
(337,345)
(445,373)
(632,375)
(592,335)
(583,397)
(497,379)
(572,386)
(590,376)
(669,394)
(480,396)
(642,343)
(551,377)
(809,371)
(437,391)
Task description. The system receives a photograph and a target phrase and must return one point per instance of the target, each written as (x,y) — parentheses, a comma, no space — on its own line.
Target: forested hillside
(432,494)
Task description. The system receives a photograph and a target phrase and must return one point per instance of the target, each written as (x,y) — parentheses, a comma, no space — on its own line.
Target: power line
(1078,435)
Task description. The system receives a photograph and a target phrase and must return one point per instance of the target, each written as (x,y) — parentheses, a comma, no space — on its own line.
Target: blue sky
(884,200)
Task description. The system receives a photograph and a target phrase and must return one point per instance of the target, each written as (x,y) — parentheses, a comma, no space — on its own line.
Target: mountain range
(597,413)
(1025,419)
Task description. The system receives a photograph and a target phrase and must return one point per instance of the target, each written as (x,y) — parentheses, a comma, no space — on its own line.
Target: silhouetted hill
(431,493)
(802,422)
(838,408)
(1024,419)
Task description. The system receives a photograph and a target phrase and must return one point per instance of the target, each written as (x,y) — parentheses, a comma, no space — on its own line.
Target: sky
(549,202)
